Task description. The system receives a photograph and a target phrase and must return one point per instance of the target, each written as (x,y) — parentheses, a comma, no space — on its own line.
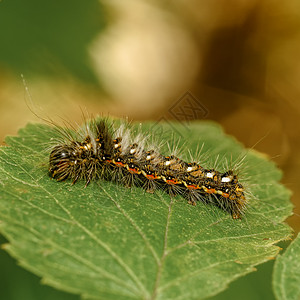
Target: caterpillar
(104,153)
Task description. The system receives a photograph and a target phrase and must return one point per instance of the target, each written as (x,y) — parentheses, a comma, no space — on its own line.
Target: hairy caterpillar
(105,153)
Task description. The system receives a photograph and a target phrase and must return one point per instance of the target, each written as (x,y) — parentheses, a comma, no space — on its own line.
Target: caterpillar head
(62,162)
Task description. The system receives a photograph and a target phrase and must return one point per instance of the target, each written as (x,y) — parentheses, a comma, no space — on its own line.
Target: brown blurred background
(238,59)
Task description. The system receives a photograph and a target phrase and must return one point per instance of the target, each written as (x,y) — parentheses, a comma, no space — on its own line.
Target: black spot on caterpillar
(101,152)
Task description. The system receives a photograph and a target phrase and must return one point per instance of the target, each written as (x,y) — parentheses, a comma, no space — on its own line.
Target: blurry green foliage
(17,284)
(49,37)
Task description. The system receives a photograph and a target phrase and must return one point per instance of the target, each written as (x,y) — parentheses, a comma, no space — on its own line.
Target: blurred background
(234,62)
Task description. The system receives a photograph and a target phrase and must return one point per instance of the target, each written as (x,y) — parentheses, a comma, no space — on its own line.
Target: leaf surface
(110,242)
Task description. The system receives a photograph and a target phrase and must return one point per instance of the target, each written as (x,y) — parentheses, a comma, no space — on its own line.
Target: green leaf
(256,285)
(109,242)
(286,275)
